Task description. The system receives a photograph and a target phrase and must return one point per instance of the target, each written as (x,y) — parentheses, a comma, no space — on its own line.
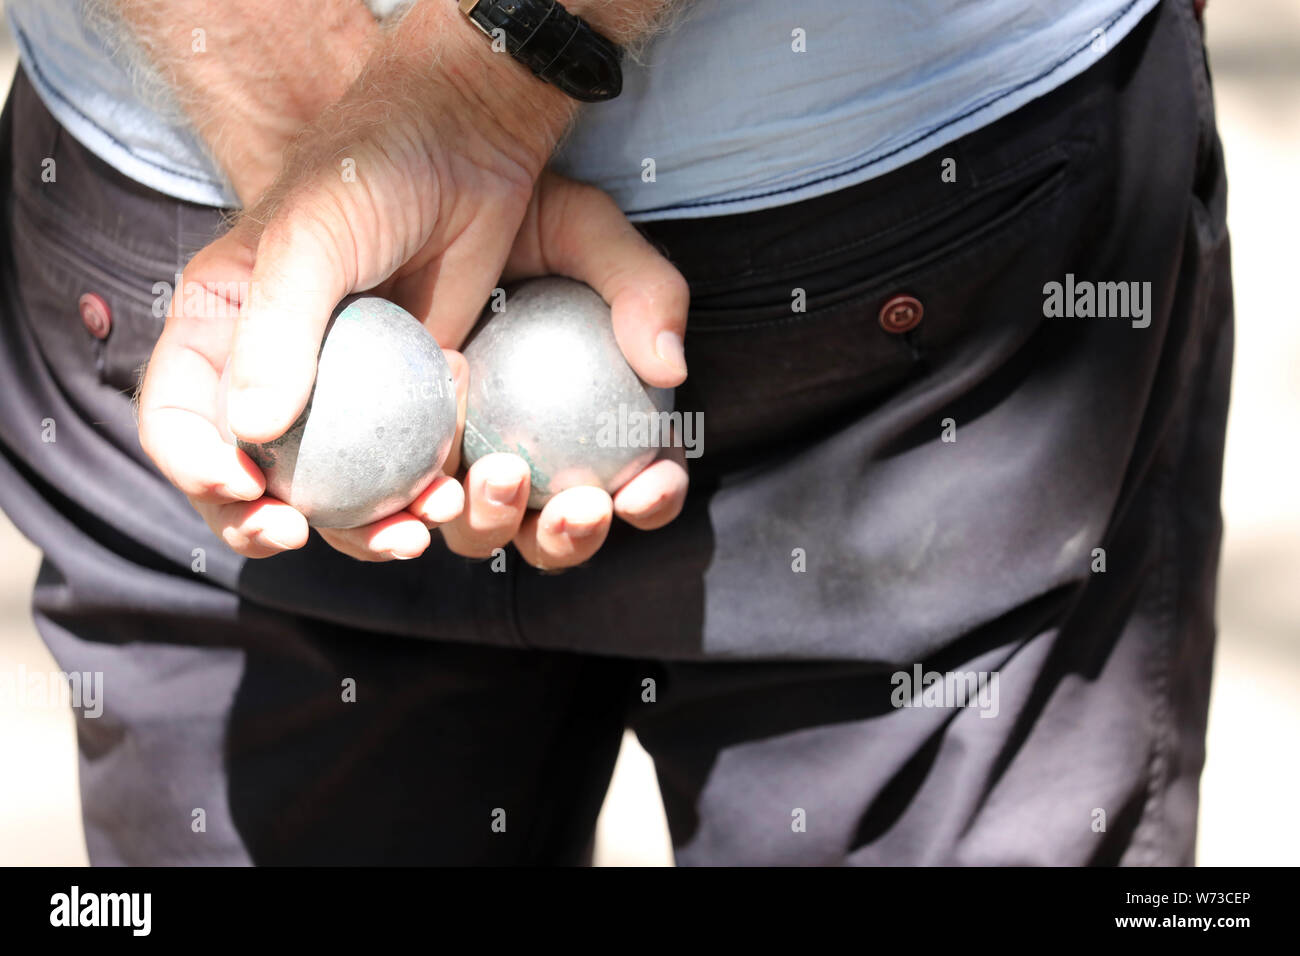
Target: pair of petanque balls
(546,381)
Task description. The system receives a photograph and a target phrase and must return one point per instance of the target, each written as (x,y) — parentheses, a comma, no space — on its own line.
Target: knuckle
(592,199)
(202,491)
(674,291)
(236,540)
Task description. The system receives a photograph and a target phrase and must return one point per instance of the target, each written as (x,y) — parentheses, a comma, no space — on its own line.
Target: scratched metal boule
(548,382)
(379,424)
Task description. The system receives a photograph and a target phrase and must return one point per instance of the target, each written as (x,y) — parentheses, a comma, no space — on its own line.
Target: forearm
(249,80)
(249,76)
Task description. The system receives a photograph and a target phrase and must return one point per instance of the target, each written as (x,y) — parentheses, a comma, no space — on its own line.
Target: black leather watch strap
(556,45)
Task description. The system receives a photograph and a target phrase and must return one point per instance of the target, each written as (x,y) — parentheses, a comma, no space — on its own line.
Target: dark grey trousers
(1023,505)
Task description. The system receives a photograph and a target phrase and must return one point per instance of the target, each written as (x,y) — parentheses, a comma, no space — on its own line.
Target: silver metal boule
(379,424)
(548,382)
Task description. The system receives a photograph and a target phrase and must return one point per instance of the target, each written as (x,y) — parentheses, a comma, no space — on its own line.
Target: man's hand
(418,184)
(415,184)
(576,230)
(568,229)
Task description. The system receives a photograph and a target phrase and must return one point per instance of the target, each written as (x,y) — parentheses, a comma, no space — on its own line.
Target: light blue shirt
(740,105)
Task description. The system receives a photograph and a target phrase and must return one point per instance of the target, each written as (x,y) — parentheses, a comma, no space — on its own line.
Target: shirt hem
(1004,104)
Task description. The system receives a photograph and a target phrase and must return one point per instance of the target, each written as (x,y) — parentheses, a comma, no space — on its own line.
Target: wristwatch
(558,46)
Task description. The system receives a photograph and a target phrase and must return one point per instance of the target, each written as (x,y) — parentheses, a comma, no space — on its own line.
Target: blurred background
(1248,792)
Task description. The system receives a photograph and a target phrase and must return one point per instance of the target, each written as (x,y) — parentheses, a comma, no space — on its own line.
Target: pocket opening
(884,258)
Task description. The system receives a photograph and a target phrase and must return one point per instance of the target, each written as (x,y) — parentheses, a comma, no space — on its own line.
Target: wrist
(251,144)
(629,23)
(250,133)
(619,21)
(521,116)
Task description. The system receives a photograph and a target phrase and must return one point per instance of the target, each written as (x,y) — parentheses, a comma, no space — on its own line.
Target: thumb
(298,278)
(582,233)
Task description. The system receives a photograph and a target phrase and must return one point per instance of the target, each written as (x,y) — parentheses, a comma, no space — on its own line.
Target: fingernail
(444,505)
(574,530)
(270,542)
(394,539)
(502,492)
(647,505)
(242,488)
(669,347)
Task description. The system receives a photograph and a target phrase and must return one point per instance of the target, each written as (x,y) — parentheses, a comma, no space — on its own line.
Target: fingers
(266,526)
(191,454)
(497,487)
(656,495)
(578,231)
(568,531)
(440,503)
(177,407)
(398,537)
(574,524)
(255,529)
